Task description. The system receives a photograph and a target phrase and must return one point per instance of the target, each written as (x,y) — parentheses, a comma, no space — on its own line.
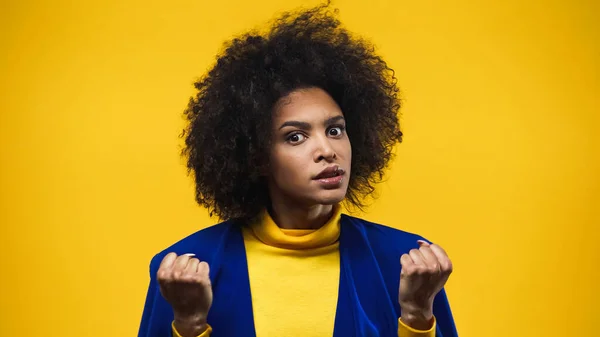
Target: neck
(291,216)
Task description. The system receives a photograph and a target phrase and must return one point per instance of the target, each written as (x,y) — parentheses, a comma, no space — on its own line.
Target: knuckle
(164,275)
(446,264)
(204,268)
(438,247)
(188,278)
(420,270)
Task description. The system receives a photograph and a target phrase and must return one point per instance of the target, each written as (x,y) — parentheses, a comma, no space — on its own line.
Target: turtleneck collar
(267,231)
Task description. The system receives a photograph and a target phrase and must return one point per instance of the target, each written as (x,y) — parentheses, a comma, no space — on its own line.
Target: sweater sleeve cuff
(206,332)
(406,331)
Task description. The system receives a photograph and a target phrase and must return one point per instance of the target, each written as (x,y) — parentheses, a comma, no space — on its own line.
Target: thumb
(423,243)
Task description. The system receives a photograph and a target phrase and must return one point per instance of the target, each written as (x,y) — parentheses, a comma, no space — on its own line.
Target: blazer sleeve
(157,315)
(443,316)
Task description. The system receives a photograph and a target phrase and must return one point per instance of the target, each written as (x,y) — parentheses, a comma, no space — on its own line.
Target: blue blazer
(368,291)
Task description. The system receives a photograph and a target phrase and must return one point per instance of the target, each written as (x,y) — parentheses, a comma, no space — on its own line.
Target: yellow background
(500,164)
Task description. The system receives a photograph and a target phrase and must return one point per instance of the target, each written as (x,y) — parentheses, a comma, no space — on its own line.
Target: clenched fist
(424,273)
(184,282)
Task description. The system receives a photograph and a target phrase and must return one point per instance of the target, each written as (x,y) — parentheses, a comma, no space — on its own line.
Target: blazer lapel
(364,306)
(231,312)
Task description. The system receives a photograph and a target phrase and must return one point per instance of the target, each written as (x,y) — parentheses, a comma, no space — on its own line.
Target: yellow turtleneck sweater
(294,279)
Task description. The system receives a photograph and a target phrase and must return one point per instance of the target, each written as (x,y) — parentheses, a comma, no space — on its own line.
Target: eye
(295,138)
(335,131)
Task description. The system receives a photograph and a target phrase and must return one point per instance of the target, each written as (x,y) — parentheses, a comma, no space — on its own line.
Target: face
(310,154)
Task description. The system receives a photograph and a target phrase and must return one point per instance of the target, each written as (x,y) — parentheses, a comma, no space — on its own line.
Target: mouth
(330,172)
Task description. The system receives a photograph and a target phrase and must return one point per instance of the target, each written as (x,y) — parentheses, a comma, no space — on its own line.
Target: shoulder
(202,244)
(385,245)
(386,239)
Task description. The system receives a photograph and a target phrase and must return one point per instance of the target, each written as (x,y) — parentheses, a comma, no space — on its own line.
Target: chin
(330,197)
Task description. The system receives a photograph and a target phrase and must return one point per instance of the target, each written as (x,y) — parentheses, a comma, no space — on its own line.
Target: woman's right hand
(184,282)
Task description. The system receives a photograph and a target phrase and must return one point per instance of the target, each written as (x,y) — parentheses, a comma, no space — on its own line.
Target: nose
(324,150)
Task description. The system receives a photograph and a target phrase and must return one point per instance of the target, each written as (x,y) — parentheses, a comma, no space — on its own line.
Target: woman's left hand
(424,273)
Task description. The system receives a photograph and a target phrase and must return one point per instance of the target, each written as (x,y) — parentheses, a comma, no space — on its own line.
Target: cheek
(286,163)
(346,148)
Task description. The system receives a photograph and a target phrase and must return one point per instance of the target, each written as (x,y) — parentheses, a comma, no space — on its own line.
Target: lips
(330,172)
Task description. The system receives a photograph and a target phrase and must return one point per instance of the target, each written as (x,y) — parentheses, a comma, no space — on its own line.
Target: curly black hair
(229,118)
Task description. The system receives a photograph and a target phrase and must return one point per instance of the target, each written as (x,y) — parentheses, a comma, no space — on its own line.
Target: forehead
(306,104)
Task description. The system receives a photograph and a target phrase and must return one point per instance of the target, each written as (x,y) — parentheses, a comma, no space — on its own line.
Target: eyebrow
(307,126)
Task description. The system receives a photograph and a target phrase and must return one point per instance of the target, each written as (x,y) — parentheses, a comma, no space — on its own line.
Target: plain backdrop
(500,163)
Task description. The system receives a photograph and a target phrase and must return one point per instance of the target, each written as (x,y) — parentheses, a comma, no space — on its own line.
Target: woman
(284,128)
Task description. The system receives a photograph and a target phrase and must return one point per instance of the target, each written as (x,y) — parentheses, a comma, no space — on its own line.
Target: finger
(181,263)
(191,258)
(167,261)
(407,264)
(202,268)
(192,266)
(204,273)
(417,257)
(439,251)
(429,257)
(423,243)
(442,257)
(406,260)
